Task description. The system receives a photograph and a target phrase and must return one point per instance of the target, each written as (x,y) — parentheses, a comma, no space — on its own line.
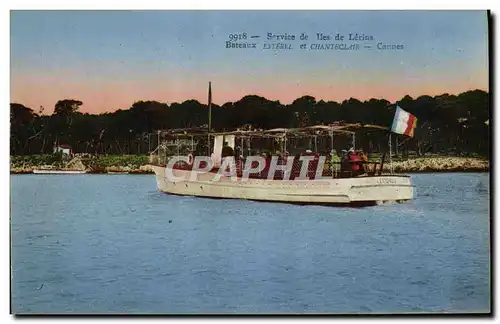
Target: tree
(63,116)
(67,107)
(445,122)
(21,120)
(303,109)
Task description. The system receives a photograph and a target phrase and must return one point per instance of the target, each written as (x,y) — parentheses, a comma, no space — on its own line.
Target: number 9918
(236,37)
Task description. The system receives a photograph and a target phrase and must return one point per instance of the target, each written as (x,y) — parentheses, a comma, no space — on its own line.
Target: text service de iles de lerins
(303,41)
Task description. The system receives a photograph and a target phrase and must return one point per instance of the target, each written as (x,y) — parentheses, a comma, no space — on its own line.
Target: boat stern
(387,188)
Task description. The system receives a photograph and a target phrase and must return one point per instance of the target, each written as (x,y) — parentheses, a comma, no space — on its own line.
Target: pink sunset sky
(109,60)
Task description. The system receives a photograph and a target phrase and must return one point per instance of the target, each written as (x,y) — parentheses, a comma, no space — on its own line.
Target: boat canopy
(341,128)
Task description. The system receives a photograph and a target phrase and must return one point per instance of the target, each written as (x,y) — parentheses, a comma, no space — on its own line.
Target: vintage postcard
(250,162)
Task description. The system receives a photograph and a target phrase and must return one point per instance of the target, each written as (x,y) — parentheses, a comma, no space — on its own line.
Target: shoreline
(13,172)
(410,166)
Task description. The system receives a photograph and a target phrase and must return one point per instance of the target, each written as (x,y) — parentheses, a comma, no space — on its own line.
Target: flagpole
(396,146)
(404,123)
(209,114)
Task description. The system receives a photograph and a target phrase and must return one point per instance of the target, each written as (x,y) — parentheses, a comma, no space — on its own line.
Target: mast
(209,114)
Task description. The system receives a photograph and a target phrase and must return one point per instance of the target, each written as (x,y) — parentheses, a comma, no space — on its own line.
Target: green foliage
(34,160)
(447,124)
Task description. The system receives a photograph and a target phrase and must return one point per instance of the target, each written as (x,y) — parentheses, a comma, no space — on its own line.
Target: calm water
(104,243)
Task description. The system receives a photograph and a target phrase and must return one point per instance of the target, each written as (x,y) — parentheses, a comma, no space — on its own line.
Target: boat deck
(330,170)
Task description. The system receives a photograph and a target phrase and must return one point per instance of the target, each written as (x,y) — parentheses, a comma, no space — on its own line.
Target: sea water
(114,244)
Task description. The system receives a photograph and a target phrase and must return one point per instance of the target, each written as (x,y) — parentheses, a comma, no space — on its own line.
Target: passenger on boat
(328,161)
(345,165)
(334,161)
(227,150)
(364,159)
(354,161)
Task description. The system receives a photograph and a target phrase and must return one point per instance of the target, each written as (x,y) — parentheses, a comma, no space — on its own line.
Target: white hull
(58,171)
(360,190)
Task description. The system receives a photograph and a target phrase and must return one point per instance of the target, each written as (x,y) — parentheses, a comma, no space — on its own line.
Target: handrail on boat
(279,132)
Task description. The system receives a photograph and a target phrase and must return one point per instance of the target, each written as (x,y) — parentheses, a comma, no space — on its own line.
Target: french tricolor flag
(404,123)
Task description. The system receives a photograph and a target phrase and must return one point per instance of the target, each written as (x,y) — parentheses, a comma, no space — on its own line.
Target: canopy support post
(285,144)
(335,166)
(208,144)
(242,148)
(390,151)
(331,140)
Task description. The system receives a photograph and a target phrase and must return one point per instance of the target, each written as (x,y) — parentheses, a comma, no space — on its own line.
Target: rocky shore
(414,165)
(439,164)
(143,169)
(126,164)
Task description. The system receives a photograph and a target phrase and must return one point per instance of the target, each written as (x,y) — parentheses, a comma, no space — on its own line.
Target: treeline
(451,124)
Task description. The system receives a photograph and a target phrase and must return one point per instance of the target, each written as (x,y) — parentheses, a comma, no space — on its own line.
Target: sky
(111,59)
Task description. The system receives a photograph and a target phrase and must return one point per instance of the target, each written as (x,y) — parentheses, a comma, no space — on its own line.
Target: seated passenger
(227,150)
(334,161)
(354,161)
(345,165)
(364,158)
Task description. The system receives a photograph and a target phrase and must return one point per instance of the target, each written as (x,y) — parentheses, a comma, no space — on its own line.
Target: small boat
(58,171)
(118,172)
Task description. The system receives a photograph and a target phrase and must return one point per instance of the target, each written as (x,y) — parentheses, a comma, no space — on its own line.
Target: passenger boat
(328,183)
(302,177)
